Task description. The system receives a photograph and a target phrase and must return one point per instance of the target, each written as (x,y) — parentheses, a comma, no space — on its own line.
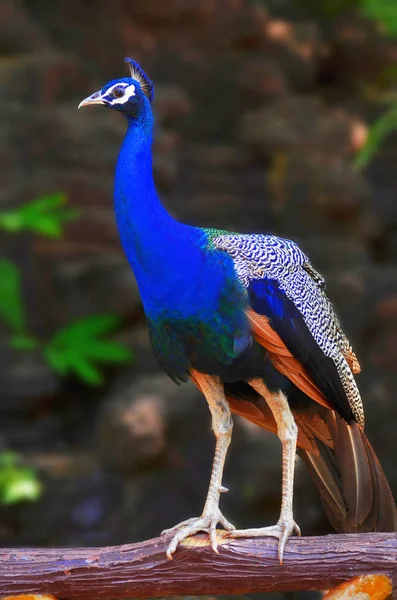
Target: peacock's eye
(118,92)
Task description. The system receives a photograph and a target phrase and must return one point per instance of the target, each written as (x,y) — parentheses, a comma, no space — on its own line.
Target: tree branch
(242,566)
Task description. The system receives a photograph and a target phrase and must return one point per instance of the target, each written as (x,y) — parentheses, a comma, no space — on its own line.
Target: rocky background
(260,108)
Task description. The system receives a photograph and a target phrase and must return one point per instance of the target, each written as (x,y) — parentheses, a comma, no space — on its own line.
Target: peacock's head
(129,95)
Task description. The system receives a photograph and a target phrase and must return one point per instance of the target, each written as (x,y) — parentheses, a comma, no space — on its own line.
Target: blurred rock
(133,435)
(136,417)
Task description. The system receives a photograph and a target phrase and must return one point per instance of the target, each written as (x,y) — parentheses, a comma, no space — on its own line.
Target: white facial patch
(129,91)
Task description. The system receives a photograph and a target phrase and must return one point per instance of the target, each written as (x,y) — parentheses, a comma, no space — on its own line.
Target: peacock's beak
(91,100)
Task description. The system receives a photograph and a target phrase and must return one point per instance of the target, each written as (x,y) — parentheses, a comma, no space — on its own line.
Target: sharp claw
(214,543)
(178,537)
(286,531)
(281,545)
(170,550)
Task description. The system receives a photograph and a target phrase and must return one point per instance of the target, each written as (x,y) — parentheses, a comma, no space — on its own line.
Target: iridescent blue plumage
(246,315)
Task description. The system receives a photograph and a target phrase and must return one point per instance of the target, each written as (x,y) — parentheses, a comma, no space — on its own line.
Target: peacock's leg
(222,425)
(288,433)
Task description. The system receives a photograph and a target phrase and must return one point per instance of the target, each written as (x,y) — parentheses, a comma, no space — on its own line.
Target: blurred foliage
(11,308)
(78,346)
(73,350)
(17,483)
(383,11)
(44,216)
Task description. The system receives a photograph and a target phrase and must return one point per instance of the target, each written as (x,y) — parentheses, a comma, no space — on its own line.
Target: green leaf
(10,221)
(45,225)
(56,359)
(45,203)
(11,307)
(385,125)
(44,216)
(77,347)
(23,341)
(17,483)
(384,11)
(22,487)
(86,371)
(89,328)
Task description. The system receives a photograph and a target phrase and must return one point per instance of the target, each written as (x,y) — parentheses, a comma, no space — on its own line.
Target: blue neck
(137,205)
(153,241)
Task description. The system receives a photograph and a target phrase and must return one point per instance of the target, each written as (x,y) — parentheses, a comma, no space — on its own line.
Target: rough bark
(242,566)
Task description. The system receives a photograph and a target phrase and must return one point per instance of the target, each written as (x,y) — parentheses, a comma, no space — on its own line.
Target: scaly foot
(207,522)
(282,531)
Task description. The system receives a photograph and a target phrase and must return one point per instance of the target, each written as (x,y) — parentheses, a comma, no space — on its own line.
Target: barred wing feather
(289,293)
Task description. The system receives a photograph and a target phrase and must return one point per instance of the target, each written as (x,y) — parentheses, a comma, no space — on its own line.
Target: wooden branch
(242,566)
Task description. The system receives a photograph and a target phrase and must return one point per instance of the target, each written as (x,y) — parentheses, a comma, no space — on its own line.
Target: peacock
(247,319)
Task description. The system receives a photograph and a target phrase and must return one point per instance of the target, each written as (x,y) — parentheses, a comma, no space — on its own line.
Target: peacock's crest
(140,76)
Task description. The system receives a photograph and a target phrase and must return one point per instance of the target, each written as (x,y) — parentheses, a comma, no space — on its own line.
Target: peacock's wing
(292,317)
(294,320)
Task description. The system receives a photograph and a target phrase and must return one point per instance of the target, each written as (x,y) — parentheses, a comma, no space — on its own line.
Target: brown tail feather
(352,484)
